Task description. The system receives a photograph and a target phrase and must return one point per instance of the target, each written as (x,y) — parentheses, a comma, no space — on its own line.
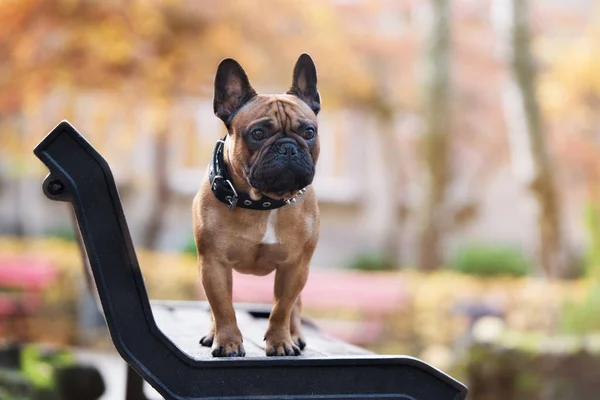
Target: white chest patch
(270,237)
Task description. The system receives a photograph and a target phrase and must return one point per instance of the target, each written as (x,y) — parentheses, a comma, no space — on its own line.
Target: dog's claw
(218,352)
(229,350)
(299,341)
(283,349)
(207,340)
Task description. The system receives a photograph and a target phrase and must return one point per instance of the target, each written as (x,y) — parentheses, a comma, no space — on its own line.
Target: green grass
(190,247)
(65,233)
(582,317)
(482,259)
(371,262)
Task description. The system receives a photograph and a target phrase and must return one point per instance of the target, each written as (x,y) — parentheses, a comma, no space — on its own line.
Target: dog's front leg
(217,282)
(289,282)
(296,324)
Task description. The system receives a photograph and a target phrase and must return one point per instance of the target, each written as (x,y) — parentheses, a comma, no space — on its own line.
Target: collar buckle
(231,200)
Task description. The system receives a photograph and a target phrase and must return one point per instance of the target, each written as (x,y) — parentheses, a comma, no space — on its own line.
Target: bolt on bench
(159,340)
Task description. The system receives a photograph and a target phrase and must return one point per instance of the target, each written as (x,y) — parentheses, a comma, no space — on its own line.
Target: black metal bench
(159,340)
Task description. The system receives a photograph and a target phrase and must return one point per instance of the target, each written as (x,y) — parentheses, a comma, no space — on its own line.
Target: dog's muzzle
(285,167)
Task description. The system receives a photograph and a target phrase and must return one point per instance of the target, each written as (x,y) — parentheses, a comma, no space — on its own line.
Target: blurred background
(459,176)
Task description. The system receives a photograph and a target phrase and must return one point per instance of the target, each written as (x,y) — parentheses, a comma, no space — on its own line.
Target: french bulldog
(256,211)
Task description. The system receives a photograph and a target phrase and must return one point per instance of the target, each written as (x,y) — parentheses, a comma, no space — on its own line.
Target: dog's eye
(309,133)
(258,134)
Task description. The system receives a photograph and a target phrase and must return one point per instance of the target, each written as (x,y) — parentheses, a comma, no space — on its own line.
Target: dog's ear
(232,90)
(304,83)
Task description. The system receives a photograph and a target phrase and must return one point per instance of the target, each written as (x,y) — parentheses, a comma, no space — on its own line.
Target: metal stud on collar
(295,198)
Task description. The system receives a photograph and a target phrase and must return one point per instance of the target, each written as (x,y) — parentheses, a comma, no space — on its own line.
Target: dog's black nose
(288,148)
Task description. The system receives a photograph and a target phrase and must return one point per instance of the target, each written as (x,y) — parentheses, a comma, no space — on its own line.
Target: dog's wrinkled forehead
(282,113)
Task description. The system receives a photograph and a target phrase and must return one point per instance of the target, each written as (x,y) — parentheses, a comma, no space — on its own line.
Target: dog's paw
(229,350)
(228,346)
(299,341)
(278,348)
(207,340)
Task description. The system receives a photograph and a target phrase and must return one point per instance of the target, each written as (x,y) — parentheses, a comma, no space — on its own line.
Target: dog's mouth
(258,190)
(282,170)
(282,195)
(257,194)
(279,184)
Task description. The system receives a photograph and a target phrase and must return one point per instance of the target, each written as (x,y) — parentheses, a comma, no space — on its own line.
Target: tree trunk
(382,176)
(162,191)
(436,87)
(529,151)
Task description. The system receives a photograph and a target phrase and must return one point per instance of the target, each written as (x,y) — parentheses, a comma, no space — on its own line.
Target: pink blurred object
(372,293)
(8,305)
(26,278)
(361,333)
(19,303)
(26,273)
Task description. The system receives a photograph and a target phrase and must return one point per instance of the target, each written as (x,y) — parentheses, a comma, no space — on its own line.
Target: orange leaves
(569,89)
(571,85)
(111,42)
(14,14)
(170,48)
(146,21)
